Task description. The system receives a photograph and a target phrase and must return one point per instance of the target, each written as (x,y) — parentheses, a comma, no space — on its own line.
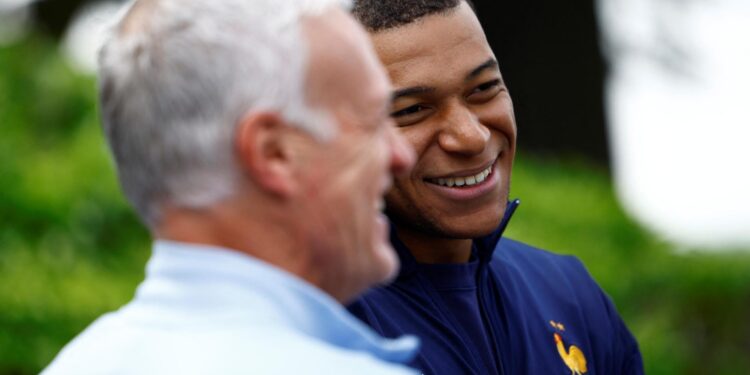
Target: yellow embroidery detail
(573,357)
(557,326)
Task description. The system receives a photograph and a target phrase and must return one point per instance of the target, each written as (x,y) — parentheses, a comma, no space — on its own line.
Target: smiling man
(481,304)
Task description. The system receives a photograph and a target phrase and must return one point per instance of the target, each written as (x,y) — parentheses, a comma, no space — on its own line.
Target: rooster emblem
(573,357)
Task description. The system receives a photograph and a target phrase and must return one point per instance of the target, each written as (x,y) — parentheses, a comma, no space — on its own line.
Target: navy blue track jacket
(512,309)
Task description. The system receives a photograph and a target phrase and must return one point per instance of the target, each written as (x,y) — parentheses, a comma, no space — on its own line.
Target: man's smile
(467,184)
(459,181)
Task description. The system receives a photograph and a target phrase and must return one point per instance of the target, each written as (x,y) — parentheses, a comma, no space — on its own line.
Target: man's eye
(486,91)
(487,86)
(408,111)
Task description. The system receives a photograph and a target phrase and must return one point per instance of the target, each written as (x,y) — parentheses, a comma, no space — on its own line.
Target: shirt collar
(484,246)
(205,277)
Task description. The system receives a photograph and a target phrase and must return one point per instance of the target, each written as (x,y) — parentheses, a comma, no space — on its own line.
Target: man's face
(452,106)
(349,175)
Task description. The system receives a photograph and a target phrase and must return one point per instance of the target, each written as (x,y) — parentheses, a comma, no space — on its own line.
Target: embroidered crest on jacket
(572,356)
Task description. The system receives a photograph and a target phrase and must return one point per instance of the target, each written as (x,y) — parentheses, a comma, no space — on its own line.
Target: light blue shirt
(208,310)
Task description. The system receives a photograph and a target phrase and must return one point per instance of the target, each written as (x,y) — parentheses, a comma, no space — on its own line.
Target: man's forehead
(335,51)
(432,70)
(453,42)
(344,72)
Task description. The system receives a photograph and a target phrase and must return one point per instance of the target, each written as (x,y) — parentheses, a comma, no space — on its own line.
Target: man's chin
(388,262)
(372,270)
(467,229)
(449,225)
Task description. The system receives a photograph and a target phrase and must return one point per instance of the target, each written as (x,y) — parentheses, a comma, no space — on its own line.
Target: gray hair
(175,78)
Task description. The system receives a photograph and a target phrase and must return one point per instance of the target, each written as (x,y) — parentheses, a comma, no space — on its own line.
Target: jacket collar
(484,246)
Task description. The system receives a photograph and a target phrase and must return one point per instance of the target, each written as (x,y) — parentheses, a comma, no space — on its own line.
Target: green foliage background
(71,249)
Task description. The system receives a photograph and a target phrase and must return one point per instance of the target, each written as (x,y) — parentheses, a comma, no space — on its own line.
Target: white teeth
(464,181)
(481,177)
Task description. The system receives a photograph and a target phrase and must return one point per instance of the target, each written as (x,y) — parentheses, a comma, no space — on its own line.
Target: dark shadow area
(53,16)
(551,59)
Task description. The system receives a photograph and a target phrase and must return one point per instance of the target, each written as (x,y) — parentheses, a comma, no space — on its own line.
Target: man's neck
(435,250)
(227,225)
(270,235)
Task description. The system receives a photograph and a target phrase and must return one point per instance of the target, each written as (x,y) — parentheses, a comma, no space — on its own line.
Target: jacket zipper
(482,279)
(482,282)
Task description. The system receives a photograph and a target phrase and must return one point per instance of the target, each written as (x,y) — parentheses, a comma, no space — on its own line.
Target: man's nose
(462,133)
(402,153)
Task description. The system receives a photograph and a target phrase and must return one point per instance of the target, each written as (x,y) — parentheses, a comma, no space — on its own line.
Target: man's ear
(262,147)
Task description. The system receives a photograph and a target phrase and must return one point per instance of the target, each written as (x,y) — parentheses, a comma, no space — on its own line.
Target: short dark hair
(377,15)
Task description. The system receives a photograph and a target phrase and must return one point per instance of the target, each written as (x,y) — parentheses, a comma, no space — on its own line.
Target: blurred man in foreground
(482,305)
(257,157)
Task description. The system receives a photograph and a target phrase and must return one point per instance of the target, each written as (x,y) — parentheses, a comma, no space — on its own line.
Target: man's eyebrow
(489,64)
(411,91)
